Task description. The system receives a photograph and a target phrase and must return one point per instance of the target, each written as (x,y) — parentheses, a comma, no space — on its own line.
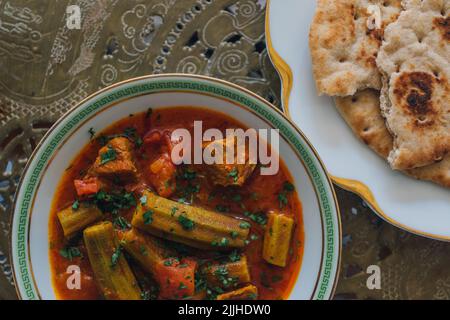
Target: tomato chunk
(176,278)
(161,138)
(87,186)
(162,175)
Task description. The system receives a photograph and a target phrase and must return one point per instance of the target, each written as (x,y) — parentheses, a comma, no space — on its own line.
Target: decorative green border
(160,84)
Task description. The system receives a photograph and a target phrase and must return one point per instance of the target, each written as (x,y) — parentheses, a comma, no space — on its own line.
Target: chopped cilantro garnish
(70,253)
(173,210)
(200,282)
(188,174)
(143,199)
(121,223)
(75,205)
(234,234)
(182,286)
(288,187)
(221,273)
(186,187)
(259,217)
(109,155)
(113,202)
(234,256)
(91,133)
(168,262)
(148,217)
(244,225)
(185,222)
(224,242)
(282,196)
(130,133)
(234,174)
(116,255)
(220,243)
(282,199)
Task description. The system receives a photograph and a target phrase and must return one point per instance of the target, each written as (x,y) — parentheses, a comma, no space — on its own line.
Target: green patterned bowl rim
(29,182)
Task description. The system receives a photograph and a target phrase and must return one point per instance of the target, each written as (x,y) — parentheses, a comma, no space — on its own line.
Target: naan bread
(415,62)
(362,114)
(342,46)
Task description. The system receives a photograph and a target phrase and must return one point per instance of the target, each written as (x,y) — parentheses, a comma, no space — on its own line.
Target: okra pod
(73,220)
(190,225)
(144,248)
(249,292)
(228,275)
(112,272)
(277,239)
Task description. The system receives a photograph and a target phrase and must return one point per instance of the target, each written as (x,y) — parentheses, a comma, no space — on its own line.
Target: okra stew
(128,223)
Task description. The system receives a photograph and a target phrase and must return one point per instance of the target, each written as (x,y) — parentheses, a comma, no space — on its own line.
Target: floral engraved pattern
(47,68)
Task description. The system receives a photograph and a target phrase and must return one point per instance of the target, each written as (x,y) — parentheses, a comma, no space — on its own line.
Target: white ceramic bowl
(29,235)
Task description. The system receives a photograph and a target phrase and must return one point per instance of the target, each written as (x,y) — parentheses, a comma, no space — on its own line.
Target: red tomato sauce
(259,193)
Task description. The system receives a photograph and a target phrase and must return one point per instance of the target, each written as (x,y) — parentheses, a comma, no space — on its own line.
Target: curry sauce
(249,204)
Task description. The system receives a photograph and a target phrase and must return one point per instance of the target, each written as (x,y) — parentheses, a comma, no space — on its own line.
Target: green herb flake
(185,222)
(282,196)
(234,174)
(113,202)
(75,205)
(234,234)
(109,155)
(253,237)
(115,256)
(224,242)
(259,217)
(244,225)
(282,199)
(182,286)
(173,210)
(91,133)
(168,262)
(234,256)
(143,199)
(148,217)
(70,253)
(121,223)
(288,187)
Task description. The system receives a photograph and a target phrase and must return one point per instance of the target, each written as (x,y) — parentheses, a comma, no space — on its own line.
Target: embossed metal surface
(46,68)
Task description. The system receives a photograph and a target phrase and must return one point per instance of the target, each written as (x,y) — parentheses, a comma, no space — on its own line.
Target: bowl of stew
(104,212)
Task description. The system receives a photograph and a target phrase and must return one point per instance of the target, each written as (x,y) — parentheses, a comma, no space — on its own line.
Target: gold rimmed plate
(416,206)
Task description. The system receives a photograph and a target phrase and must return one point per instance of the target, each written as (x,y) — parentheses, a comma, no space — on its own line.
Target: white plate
(29,236)
(417,206)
